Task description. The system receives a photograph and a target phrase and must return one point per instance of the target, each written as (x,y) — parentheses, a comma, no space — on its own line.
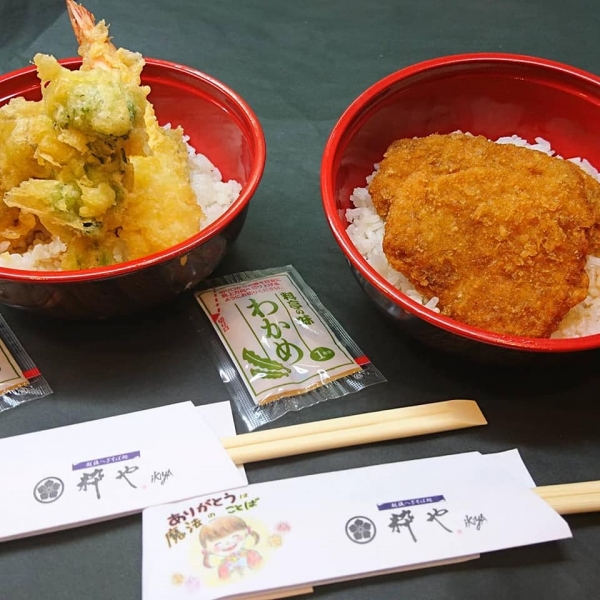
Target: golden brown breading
(592,188)
(499,233)
(435,154)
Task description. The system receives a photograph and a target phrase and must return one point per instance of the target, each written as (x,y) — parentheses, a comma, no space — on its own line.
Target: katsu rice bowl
(465,195)
(124,180)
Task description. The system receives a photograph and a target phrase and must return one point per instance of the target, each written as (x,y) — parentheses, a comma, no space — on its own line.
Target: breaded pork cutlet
(499,233)
(435,155)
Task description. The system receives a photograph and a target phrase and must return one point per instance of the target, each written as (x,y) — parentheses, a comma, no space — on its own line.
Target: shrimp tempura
(90,161)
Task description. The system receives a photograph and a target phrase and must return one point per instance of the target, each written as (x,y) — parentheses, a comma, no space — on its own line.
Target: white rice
(213,194)
(366,230)
(40,257)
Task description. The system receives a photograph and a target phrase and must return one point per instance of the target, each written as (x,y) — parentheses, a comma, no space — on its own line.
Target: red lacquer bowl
(221,125)
(489,94)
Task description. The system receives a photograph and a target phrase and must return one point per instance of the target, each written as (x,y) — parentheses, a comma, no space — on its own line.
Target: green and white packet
(20,379)
(277,347)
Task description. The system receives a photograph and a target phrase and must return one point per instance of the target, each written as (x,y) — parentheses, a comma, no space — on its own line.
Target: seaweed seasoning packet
(277,347)
(20,380)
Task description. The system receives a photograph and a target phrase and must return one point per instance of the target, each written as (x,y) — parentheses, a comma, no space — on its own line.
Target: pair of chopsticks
(381,426)
(349,431)
(354,430)
(392,424)
(571,498)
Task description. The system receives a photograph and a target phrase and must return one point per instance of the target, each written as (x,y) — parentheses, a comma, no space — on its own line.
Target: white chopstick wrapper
(97,470)
(296,533)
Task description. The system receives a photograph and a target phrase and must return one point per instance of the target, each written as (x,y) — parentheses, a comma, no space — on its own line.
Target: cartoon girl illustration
(224,538)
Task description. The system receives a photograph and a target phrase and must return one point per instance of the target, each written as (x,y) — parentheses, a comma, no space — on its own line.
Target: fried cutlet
(435,154)
(500,235)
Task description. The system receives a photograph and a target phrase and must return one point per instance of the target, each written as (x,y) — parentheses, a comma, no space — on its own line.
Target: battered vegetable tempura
(89,163)
(500,234)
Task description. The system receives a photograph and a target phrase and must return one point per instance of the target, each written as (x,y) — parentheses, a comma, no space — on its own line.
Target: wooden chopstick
(277,594)
(390,424)
(358,429)
(346,431)
(385,425)
(304,589)
(572,498)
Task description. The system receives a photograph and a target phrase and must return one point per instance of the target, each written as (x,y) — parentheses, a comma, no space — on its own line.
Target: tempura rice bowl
(494,95)
(220,126)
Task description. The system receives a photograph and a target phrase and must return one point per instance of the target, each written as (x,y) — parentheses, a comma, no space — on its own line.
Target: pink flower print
(283,527)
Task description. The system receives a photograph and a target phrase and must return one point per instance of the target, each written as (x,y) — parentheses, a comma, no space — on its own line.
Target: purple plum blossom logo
(361,530)
(48,490)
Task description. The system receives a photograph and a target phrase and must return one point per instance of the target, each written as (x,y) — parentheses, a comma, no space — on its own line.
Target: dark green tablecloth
(299,64)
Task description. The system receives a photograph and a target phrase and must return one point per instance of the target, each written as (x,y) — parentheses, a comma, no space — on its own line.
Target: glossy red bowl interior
(219,123)
(488,94)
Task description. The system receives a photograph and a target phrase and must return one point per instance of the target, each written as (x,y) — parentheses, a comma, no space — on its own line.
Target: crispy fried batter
(499,233)
(434,155)
(592,188)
